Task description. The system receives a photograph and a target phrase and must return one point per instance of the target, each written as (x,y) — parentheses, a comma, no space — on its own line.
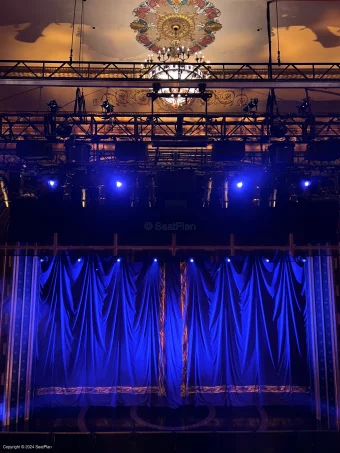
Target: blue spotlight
(239,184)
(79,260)
(307,183)
(52,183)
(191,260)
(119,184)
(155,260)
(267,260)
(118,260)
(228,260)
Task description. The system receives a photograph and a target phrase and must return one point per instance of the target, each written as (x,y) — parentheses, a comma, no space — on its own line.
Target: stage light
(53,106)
(44,259)
(52,183)
(118,260)
(155,260)
(156,87)
(292,194)
(107,107)
(79,260)
(252,105)
(119,184)
(278,129)
(228,260)
(257,196)
(191,260)
(202,87)
(267,260)
(307,183)
(304,107)
(239,184)
(301,258)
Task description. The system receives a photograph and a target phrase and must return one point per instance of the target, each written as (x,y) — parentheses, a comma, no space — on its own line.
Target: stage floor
(130,419)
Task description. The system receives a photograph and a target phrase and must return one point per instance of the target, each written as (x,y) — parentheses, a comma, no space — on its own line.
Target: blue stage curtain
(114,332)
(98,333)
(246,334)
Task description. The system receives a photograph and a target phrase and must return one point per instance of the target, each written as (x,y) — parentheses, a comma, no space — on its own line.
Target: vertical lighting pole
(269,30)
(270,63)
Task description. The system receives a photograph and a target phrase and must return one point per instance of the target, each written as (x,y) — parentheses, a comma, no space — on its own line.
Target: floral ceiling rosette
(169,23)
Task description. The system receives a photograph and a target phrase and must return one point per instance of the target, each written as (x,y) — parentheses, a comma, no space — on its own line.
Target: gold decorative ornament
(176,27)
(212,27)
(177,3)
(138,26)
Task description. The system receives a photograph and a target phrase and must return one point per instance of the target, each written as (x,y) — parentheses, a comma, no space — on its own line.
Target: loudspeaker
(171,182)
(232,151)
(281,153)
(34,150)
(326,150)
(125,151)
(14,181)
(77,153)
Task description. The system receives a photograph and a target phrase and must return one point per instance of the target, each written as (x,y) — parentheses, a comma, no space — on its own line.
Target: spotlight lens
(118,260)
(307,183)
(155,260)
(119,184)
(79,260)
(228,260)
(239,184)
(51,183)
(191,260)
(267,260)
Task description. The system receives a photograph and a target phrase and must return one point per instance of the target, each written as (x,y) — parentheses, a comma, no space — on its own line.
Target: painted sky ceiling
(41,29)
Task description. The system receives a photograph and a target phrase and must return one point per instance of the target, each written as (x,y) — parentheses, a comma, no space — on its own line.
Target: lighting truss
(94,128)
(131,75)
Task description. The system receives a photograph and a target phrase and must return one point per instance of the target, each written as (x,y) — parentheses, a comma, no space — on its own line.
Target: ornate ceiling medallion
(176,27)
(163,23)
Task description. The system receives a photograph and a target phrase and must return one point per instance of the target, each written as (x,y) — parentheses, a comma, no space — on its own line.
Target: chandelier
(175,66)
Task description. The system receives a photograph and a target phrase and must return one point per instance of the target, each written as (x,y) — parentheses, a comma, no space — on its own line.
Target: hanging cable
(81,34)
(83,30)
(80,98)
(278,34)
(73,27)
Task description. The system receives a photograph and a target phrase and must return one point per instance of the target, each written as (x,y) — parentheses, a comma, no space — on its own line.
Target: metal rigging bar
(131,75)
